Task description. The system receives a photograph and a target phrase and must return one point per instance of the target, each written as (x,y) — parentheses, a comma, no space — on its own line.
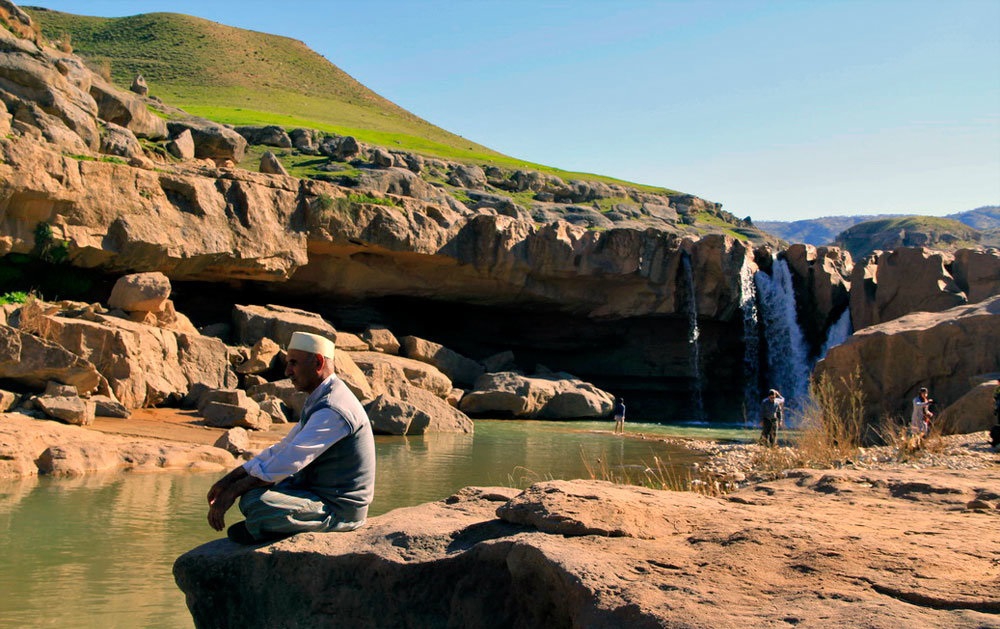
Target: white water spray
(751,344)
(837,333)
(787,355)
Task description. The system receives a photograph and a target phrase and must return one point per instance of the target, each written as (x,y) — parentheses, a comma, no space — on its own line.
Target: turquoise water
(98,551)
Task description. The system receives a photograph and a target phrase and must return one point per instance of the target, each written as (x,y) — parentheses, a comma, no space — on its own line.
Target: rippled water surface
(98,551)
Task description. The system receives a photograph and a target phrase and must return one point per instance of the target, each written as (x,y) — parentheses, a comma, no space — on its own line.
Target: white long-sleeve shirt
(300,447)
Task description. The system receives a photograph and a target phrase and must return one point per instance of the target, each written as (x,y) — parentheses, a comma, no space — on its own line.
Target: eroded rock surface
(817,549)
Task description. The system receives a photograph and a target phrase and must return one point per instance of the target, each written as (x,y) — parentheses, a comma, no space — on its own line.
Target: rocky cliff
(601,280)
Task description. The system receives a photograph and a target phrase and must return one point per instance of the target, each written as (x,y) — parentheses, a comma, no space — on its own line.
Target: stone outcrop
(29,447)
(143,365)
(458,368)
(405,409)
(824,293)
(905,280)
(549,396)
(973,411)
(592,554)
(942,351)
(144,292)
(277,323)
(977,273)
(34,362)
(211,140)
(384,370)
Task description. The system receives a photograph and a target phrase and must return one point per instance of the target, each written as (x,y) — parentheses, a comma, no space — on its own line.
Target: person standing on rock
(920,419)
(770,417)
(321,476)
(619,416)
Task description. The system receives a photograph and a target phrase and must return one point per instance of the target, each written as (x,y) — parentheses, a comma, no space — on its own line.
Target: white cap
(311,343)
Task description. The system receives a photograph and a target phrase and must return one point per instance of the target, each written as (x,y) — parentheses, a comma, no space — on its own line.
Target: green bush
(15,297)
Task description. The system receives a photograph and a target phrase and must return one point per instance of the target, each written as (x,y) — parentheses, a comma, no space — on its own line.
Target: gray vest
(344,475)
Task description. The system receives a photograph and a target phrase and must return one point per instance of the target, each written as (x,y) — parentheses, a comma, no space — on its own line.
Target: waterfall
(751,345)
(694,350)
(787,355)
(837,333)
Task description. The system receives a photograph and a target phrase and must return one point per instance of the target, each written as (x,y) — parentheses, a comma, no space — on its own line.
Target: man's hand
(222,495)
(219,503)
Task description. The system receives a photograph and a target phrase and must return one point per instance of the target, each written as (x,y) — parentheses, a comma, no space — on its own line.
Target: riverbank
(816,548)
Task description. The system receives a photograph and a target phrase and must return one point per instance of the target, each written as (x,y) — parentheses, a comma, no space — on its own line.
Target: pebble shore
(734,465)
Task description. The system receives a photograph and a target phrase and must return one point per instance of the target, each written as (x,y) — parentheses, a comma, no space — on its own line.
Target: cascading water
(751,345)
(837,333)
(694,349)
(787,354)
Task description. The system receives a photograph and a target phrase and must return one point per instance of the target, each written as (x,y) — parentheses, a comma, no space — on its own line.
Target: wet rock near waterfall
(943,351)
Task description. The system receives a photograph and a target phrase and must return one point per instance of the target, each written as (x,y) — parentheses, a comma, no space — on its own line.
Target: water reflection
(97,551)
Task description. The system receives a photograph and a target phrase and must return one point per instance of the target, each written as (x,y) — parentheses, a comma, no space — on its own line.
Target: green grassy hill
(908,231)
(243,77)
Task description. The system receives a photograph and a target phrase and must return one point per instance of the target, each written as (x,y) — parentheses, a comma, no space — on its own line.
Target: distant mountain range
(826,230)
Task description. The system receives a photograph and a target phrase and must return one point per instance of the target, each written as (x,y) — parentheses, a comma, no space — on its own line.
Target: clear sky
(780,110)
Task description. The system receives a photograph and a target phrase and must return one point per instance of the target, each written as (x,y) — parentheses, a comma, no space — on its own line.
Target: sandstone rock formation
(973,411)
(550,396)
(458,368)
(143,365)
(29,447)
(591,554)
(35,362)
(942,351)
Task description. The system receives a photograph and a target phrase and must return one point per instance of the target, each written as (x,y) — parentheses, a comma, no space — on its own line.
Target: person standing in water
(619,415)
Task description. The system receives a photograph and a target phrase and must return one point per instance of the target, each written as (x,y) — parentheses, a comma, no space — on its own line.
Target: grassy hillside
(814,231)
(824,230)
(908,231)
(243,77)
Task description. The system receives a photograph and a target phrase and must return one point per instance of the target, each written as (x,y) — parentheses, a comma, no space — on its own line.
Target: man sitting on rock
(321,476)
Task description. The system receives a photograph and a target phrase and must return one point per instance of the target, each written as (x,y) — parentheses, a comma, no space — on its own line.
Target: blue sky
(778,110)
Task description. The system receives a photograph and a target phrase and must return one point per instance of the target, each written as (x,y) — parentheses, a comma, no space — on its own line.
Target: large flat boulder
(29,447)
(593,554)
(942,351)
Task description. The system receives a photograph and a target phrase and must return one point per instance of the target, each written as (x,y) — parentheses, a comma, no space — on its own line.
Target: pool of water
(98,551)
